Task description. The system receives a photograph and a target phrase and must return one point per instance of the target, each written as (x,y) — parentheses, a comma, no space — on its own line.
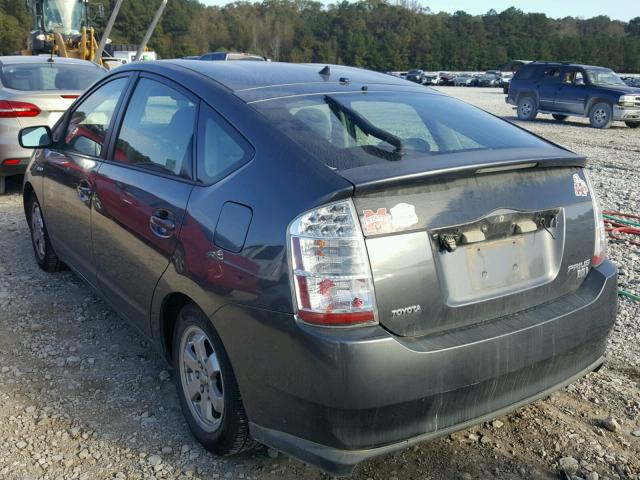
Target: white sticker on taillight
(330,267)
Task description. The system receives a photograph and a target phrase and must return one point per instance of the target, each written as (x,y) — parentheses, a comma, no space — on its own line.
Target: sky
(616,9)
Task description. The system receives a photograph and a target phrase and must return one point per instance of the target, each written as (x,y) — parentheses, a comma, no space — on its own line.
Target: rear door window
(573,77)
(157,131)
(551,74)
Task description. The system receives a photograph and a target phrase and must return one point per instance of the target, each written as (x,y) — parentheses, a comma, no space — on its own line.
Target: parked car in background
(36,90)
(631,81)
(464,80)
(431,78)
(564,90)
(417,76)
(227,56)
(447,79)
(246,217)
(505,81)
(490,78)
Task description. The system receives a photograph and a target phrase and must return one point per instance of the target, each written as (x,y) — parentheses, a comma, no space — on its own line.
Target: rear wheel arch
(527,93)
(171,306)
(28,193)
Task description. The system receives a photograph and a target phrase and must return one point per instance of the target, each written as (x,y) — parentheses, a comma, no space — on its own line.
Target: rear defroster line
(623,223)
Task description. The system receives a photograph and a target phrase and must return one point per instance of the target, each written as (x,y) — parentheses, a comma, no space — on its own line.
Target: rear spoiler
(457,164)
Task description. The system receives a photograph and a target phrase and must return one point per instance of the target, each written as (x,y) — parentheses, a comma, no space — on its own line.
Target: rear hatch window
(49,76)
(350,130)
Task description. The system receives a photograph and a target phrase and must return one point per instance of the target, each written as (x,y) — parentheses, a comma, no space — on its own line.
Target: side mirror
(35,137)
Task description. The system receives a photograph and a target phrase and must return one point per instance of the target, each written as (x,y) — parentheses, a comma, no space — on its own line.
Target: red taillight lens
(70,96)
(11,109)
(11,161)
(332,277)
(600,245)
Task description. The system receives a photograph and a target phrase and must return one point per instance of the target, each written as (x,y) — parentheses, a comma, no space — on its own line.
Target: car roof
(254,81)
(570,65)
(26,59)
(238,76)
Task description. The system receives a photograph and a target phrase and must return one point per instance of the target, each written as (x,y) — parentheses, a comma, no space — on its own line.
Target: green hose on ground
(632,296)
(620,220)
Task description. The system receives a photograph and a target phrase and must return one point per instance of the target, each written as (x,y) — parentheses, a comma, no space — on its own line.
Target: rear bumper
(8,170)
(341,462)
(628,114)
(10,149)
(334,398)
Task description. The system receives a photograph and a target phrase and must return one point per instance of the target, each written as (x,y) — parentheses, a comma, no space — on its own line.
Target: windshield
(63,16)
(49,76)
(604,77)
(413,72)
(348,130)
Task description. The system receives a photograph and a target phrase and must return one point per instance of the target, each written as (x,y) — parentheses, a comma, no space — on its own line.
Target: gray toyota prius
(338,263)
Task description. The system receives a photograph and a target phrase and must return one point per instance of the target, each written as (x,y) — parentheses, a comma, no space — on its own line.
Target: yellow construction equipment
(63,28)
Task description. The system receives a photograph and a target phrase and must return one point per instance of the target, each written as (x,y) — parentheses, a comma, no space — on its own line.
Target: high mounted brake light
(331,274)
(600,245)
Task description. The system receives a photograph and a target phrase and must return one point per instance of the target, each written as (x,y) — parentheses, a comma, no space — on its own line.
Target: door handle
(84,191)
(161,224)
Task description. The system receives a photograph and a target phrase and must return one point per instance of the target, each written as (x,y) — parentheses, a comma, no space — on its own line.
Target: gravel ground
(81,396)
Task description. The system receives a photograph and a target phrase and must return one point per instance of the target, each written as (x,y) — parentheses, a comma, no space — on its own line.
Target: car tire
(601,115)
(505,90)
(527,108)
(42,249)
(632,124)
(218,420)
(560,118)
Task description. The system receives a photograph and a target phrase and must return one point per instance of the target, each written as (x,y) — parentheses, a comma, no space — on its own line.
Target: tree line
(376,34)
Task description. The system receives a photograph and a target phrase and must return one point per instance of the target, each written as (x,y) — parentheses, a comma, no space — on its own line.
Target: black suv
(417,76)
(562,89)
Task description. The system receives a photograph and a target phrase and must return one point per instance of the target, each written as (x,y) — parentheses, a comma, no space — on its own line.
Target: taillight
(600,245)
(331,274)
(11,109)
(11,161)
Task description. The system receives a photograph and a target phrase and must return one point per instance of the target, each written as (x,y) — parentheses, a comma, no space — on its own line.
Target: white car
(36,90)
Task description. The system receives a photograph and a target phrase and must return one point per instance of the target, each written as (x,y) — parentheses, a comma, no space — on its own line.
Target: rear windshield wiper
(365,125)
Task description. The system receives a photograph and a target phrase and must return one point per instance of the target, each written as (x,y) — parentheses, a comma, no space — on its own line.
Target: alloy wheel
(201,378)
(37,230)
(600,116)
